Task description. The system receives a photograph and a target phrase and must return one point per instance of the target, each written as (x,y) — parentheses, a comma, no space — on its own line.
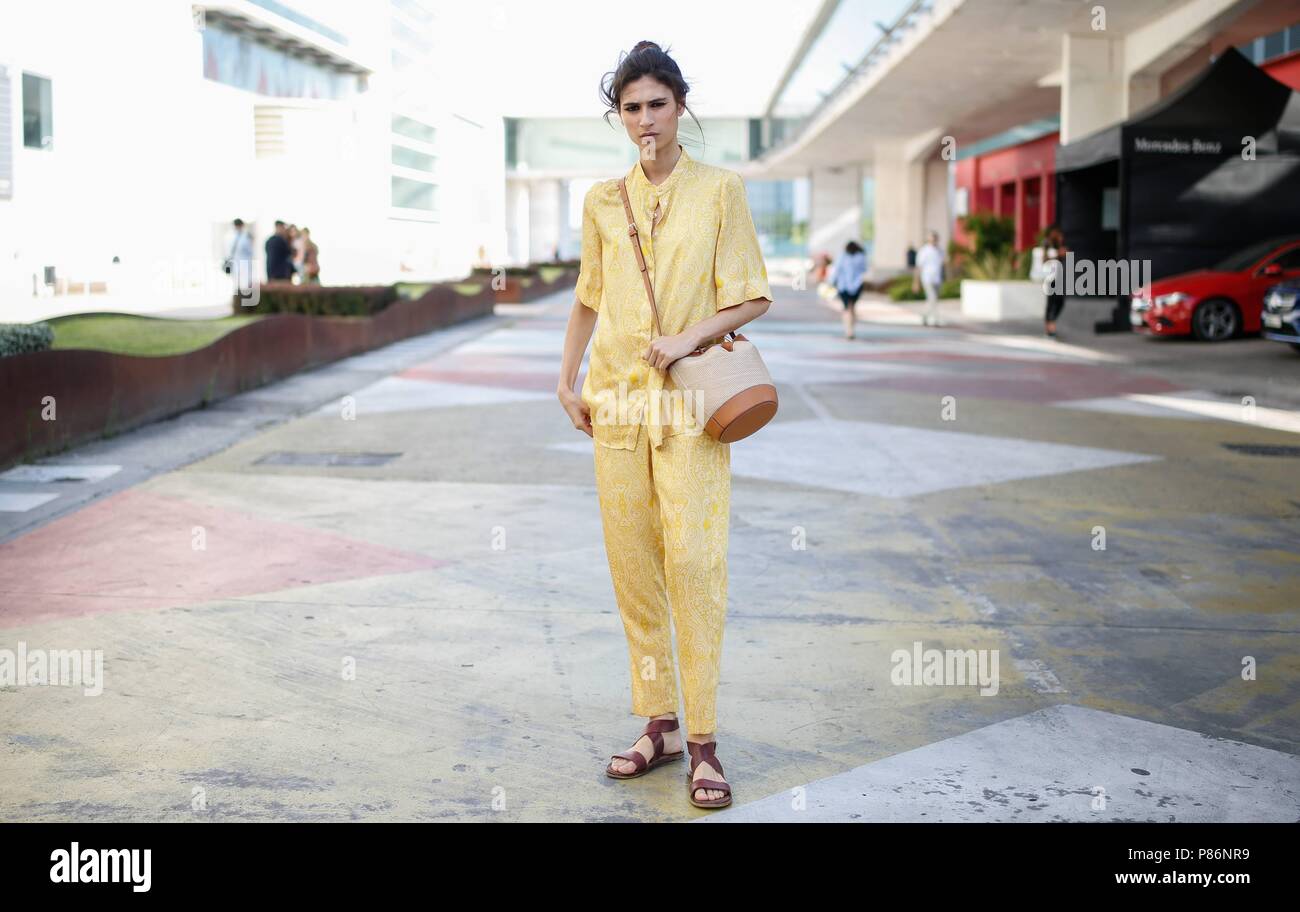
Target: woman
(1054,252)
(850,269)
(310,259)
(664,486)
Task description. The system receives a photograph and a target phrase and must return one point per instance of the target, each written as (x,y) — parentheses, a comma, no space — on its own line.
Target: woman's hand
(576,409)
(664,350)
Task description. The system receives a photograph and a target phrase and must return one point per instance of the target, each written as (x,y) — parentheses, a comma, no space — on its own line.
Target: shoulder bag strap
(636,248)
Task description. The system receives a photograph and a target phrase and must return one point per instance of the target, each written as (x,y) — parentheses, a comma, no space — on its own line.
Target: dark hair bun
(645,59)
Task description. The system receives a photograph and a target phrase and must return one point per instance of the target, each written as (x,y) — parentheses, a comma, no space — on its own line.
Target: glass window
(38,112)
(1245,258)
(1289,260)
(413,129)
(237,60)
(409,158)
(1274,45)
(413,194)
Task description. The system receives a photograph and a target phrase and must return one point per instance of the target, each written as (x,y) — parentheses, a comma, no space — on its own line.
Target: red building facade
(1018,181)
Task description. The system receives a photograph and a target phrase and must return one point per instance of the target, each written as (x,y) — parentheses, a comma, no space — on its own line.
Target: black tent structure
(1210,169)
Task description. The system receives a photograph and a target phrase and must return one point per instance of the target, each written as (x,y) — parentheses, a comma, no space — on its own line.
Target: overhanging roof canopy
(1232,95)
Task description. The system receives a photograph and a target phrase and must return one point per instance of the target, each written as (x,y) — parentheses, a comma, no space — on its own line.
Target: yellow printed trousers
(665,513)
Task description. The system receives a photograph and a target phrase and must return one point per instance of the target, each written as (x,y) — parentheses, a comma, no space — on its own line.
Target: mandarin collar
(637,177)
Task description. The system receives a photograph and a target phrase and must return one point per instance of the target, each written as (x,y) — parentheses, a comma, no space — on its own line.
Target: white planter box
(1002,300)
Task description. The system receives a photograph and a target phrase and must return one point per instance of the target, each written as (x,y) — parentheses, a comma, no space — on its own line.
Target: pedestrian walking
(310,259)
(239,265)
(1054,251)
(848,275)
(664,486)
(929,275)
(279,255)
(294,237)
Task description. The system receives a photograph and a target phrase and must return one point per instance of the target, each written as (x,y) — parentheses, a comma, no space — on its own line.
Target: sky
(552,55)
(731,52)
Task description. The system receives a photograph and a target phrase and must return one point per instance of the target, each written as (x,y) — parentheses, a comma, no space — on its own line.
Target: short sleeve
(590,272)
(740,272)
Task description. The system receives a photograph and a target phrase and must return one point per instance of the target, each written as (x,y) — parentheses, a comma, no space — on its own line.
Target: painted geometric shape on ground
(931,355)
(1127,405)
(886,460)
(48,474)
(1043,383)
(807,367)
(1194,405)
(516,363)
(1063,763)
(19,502)
(136,549)
(300,458)
(501,379)
(398,394)
(516,341)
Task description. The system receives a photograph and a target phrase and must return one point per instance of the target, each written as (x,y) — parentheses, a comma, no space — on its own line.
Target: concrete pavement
(380,592)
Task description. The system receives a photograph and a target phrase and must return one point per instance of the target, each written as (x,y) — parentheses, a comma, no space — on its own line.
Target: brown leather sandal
(702,753)
(643,765)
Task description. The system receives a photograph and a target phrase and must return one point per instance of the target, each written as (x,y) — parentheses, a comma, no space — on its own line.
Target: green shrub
(20,338)
(1004,266)
(993,234)
(322,301)
(900,289)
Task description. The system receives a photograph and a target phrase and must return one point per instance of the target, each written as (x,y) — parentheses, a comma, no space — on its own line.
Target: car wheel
(1215,320)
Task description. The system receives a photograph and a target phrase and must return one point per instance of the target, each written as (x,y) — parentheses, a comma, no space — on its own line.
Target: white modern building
(132,134)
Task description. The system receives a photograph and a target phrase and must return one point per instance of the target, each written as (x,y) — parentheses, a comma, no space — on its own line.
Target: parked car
(1281,316)
(1218,303)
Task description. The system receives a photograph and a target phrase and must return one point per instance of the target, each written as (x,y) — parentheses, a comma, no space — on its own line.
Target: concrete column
(517,221)
(1143,90)
(938,207)
(900,205)
(834,209)
(545,213)
(1094,87)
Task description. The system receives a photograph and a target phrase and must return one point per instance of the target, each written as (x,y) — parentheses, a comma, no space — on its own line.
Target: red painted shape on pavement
(134,550)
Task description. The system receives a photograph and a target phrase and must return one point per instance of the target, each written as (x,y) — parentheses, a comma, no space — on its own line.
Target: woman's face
(650,115)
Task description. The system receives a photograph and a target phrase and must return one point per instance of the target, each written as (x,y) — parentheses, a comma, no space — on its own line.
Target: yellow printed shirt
(702,255)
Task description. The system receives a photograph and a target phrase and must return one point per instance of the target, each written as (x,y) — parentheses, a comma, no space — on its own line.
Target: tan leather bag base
(742,415)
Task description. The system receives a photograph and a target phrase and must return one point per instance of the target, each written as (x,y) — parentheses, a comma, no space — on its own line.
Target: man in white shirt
(240,262)
(929,274)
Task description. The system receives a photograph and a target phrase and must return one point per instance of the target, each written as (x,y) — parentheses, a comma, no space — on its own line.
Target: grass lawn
(413,290)
(130,335)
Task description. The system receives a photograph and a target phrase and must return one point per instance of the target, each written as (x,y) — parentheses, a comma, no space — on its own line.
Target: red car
(1218,303)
